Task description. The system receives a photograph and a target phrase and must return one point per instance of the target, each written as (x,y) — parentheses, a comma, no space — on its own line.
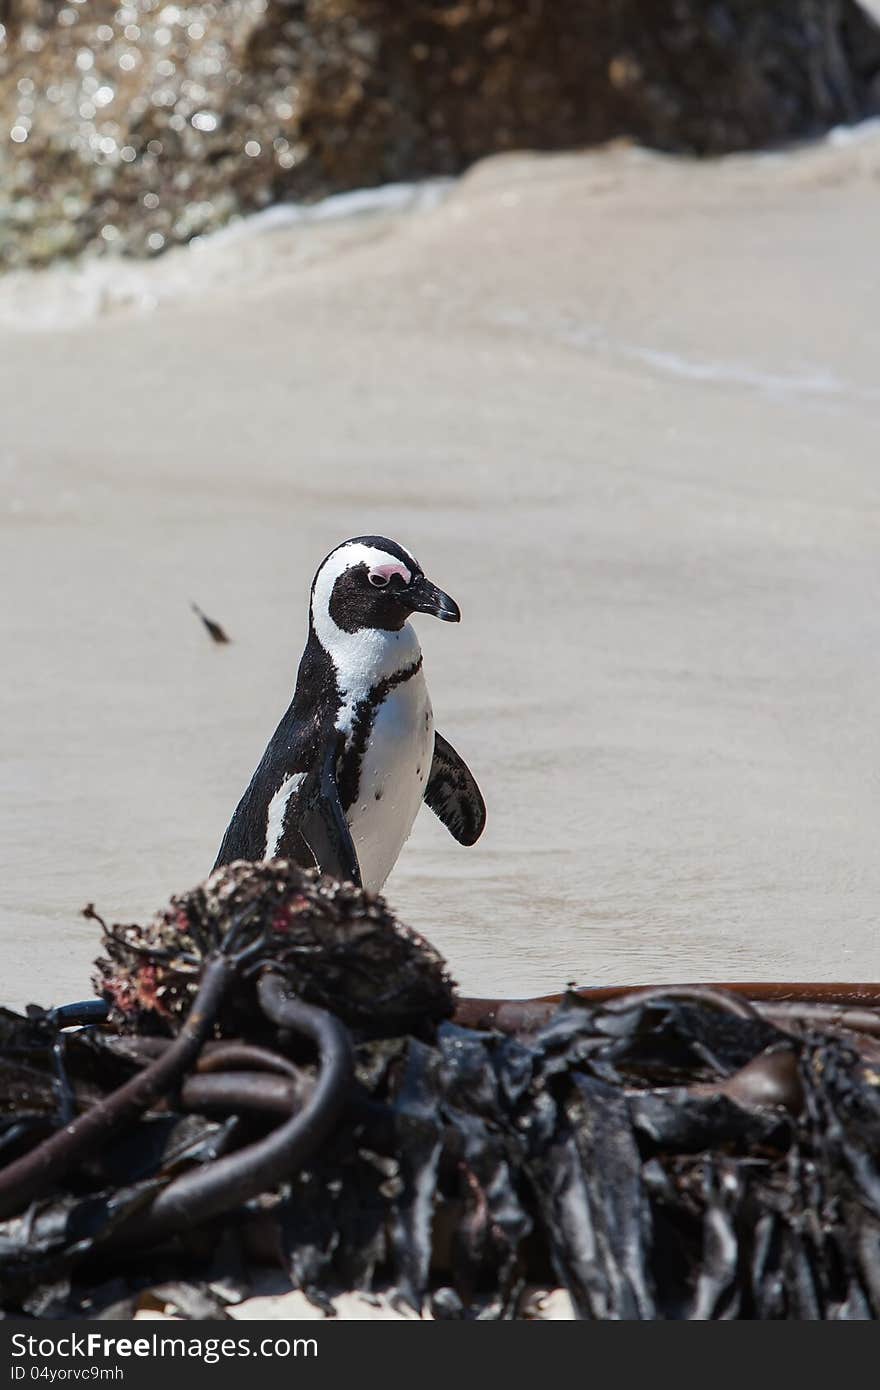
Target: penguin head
(372,582)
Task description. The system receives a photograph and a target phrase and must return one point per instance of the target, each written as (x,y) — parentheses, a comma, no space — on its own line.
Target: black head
(372,582)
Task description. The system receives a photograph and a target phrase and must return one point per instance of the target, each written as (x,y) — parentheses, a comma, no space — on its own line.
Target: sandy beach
(623,408)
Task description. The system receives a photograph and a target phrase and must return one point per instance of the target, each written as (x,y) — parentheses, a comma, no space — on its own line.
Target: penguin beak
(424,597)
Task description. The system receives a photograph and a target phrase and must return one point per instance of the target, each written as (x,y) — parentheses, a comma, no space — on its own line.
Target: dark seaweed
(467,1165)
(673,1154)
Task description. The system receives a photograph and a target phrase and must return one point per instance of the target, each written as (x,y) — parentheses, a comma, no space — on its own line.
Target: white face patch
(368,656)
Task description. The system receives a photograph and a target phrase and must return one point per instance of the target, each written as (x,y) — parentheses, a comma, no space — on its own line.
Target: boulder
(134,126)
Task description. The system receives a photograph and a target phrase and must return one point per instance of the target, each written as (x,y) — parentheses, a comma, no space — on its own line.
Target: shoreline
(692,556)
(286,239)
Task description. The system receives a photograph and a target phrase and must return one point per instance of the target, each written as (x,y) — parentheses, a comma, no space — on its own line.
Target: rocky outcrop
(138,124)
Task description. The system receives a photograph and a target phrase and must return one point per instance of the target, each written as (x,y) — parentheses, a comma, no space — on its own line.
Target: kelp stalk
(38,1171)
(235,1178)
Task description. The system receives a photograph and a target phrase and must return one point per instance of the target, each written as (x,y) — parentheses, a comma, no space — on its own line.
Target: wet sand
(625,411)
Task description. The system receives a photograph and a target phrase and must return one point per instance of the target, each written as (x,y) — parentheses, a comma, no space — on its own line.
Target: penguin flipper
(324,828)
(453,795)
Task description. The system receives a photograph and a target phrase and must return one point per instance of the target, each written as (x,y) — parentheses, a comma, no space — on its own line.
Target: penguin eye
(379,581)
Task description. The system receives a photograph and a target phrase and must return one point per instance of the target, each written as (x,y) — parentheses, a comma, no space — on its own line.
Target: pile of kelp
(282,1081)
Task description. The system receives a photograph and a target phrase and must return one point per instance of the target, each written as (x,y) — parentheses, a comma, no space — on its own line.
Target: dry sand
(625,411)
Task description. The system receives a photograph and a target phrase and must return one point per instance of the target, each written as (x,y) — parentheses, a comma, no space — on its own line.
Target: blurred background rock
(136,126)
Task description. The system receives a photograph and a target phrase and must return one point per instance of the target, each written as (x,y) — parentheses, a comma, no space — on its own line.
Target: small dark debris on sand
(216,632)
(667,1155)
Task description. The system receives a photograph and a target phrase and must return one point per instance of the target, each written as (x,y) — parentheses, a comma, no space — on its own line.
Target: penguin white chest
(395,766)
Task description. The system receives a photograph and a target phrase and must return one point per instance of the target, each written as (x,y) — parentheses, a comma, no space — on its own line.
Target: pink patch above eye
(386,571)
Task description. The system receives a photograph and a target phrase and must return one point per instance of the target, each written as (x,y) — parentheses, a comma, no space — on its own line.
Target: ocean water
(622,407)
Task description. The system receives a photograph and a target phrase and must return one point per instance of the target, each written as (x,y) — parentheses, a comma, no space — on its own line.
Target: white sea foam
(287,236)
(806,380)
(282,237)
(846,135)
(813,381)
(360,202)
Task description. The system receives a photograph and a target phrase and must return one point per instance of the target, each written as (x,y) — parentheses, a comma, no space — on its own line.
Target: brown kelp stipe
(238,1092)
(846,1004)
(235,1056)
(235,1178)
(38,1171)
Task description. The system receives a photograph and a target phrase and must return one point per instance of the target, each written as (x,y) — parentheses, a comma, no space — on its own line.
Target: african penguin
(348,767)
